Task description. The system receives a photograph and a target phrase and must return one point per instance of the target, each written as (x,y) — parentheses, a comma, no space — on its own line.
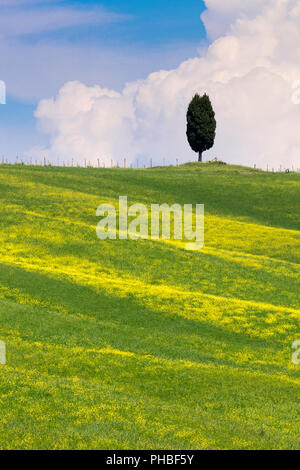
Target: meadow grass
(142,344)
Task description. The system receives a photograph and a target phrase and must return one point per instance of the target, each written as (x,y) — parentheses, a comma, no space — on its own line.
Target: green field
(142,344)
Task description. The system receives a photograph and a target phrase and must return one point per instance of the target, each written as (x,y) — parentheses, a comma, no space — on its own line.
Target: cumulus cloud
(219,17)
(248,71)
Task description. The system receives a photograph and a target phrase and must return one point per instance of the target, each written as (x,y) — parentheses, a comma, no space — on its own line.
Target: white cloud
(13,3)
(16,21)
(221,15)
(32,65)
(36,61)
(248,72)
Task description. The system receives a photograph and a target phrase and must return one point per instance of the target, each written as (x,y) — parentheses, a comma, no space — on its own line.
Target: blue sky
(148,23)
(44,44)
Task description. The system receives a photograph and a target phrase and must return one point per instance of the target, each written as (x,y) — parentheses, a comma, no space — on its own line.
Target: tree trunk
(200,156)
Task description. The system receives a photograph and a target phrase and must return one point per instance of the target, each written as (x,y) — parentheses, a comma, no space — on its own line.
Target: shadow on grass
(123,323)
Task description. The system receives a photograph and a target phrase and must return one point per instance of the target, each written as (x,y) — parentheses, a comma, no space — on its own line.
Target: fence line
(72,163)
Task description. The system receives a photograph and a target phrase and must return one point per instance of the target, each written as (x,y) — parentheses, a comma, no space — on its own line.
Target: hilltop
(142,344)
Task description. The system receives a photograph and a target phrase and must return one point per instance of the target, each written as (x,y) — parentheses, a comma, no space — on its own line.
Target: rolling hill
(126,344)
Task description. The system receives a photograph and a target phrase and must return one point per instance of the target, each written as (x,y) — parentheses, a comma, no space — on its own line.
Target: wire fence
(73,163)
(123,164)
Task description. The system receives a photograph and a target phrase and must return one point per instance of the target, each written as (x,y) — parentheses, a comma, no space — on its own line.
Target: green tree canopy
(201,124)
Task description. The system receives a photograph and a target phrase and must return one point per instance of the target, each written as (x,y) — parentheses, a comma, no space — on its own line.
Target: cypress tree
(201,124)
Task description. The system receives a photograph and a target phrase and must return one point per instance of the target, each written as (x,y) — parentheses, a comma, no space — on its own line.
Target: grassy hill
(142,344)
